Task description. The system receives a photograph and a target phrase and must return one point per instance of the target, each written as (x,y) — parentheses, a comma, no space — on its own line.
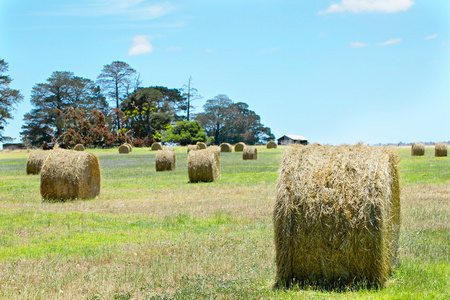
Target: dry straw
(201,145)
(215,149)
(417,149)
(239,147)
(124,149)
(191,148)
(129,146)
(271,145)
(165,160)
(337,216)
(78,147)
(225,147)
(156,146)
(440,149)
(35,161)
(69,174)
(203,165)
(249,153)
(169,148)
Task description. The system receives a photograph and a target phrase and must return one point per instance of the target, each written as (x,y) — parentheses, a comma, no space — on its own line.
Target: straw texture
(225,147)
(35,161)
(417,149)
(239,147)
(203,165)
(156,146)
(440,149)
(249,153)
(124,149)
(165,160)
(271,145)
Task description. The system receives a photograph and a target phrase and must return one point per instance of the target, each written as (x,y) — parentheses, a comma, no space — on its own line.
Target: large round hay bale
(129,146)
(124,149)
(249,153)
(440,149)
(35,161)
(203,165)
(271,145)
(201,145)
(337,216)
(69,174)
(165,160)
(239,147)
(417,149)
(191,148)
(225,147)
(78,147)
(156,146)
(169,148)
(215,149)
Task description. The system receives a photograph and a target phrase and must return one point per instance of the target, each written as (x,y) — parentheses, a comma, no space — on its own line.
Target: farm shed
(292,139)
(14,146)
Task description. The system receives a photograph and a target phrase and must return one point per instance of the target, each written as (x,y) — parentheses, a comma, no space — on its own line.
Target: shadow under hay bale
(239,147)
(69,174)
(440,149)
(156,146)
(203,165)
(35,161)
(271,145)
(337,216)
(78,147)
(124,149)
(249,153)
(225,147)
(201,145)
(165,160)
(191,148)
(417,149)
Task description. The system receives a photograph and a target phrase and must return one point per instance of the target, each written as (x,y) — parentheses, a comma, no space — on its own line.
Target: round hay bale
(78,147)
(225,147)
(215,149)
(201,145)
(440,149)
(191,148)
(239,147)
(35,161)
(203,165)
(249,153)
(165,160)
(337,216)
(169,148)
(417,149)
(124,149)
(271,145)
(156,146)
(69,174)
(129,146)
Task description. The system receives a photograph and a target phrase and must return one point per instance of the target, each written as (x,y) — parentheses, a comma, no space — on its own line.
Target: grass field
(154,235)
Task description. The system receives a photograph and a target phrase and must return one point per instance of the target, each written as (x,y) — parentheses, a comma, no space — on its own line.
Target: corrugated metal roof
(296,137)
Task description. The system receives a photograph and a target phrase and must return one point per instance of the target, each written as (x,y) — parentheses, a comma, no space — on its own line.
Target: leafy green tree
(185,133)
(8,98)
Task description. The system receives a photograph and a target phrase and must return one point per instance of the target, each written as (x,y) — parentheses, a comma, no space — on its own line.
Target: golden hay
(78,147)
(35,161)
(215,149)
(203,165)
(249,153)
(201,145)
(225,147)
(69,174)
(191,148)
(440,149)
(124,149)
(165,160)
(129,146)
(417,149)
(169,148)
(271,145)
(337,216)
(239,147)
(156,146)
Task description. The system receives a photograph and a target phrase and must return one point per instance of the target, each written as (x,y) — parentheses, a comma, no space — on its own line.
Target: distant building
(292,139)
(14,146)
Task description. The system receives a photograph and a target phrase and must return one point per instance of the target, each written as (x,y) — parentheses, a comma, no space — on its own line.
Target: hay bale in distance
(156,146)
(440,149)
(69,174)
(203,165)
(124,149)
(201,145)
(225,147)
(417,149)
(35,161)
(129,146)
(78,147)
(239,147)
(249,153)
(337,216)
(271,145)
(191,148)
(165,160)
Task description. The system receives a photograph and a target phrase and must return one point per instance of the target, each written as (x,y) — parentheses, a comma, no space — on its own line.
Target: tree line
(115,108)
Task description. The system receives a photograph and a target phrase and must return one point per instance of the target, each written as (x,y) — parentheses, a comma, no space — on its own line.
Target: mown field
(154,235)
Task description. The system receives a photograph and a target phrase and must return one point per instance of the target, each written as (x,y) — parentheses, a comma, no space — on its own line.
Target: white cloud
(391,42)
(141,45)
(430,37)
(174,48)
(362,6)
(358,44)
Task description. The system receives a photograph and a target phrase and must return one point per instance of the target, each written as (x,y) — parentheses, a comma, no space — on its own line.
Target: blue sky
(334,71)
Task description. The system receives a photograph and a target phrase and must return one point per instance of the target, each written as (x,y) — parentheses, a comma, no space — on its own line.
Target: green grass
(154,235)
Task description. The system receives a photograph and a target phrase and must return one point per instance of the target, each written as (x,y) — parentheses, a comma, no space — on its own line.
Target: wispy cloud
(141,45)
(430,37)
(358,44)
(391,42)
(364,6)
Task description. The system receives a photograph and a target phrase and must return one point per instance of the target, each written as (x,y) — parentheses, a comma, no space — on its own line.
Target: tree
(118,80)
(189,94)
(8,98)
(185,133)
